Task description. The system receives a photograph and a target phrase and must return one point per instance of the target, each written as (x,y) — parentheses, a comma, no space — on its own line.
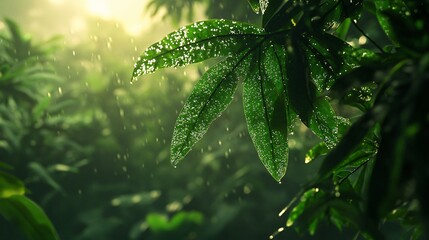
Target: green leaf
(208,100)
(197,42)
(280,14)
(41,107)
(349,142)
(396,6)
(10,185)
(351,214)
(307,214)
(45,175)
(411,31)
(160,223)
(360,98)
(262,88)
(334,12)
(330,57)
(324,122)
(263,4)
(316,151)
(314,111)
(254,4)
(29,217)
(343,29)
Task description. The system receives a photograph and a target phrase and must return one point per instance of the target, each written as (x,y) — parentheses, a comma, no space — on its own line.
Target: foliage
(18,75)
(96,155)
(375,169)
(186,9)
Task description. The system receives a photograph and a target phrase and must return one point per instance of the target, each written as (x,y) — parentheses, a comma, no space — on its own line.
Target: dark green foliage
(375,167)
(29,217)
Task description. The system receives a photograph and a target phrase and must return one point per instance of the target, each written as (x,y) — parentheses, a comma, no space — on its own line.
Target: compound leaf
(197,42)
(262,90)
(208,100)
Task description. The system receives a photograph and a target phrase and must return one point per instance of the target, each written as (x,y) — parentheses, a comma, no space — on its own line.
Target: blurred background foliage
(93,149)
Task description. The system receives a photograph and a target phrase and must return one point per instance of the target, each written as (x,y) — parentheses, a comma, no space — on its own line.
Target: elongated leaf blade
(30,218)
(254,4)
(280,13)
(10,185)
(330,57)
(314,111)
(197,42)
(348,143)
(208,100)
(45,175)
(396,6)
(262,88)
(333,12)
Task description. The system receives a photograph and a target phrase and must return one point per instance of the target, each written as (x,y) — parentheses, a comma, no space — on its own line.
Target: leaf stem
(353,171)
(366,35)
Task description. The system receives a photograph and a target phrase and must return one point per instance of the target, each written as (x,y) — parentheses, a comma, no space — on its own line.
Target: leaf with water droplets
(280,13)
(333,12)
(313,110)
(208,100)
(330,57)
(396,6)
(262,89)
(197,42)
(263,4)
(254,4)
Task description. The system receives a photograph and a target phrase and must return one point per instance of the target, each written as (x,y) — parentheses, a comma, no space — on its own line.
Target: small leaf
(307,214)
(197,42)
(360,98)
(314,111)
(323,122)
(263,4)
(29,217)
(330,57)
(254,4)
(10,185)
(45,175)
(262,89)
(349,142)
(334,12)
(396,6)
(316,151)
(208,100)
(343,29)
(350,213)
(280,13)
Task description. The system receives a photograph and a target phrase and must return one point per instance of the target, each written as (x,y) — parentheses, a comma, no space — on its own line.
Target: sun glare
(99,8)
(129,12)
(56,2)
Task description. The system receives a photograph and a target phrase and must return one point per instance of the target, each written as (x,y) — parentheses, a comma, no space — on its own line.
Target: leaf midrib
(214,92)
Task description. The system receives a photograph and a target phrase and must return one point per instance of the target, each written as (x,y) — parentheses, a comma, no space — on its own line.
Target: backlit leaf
(262,88)
(208,100)
(254,4)
(10,185)
(197,42)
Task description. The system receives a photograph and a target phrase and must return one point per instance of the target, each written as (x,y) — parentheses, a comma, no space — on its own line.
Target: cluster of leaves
(186,9)
(21,69)
(375,168)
